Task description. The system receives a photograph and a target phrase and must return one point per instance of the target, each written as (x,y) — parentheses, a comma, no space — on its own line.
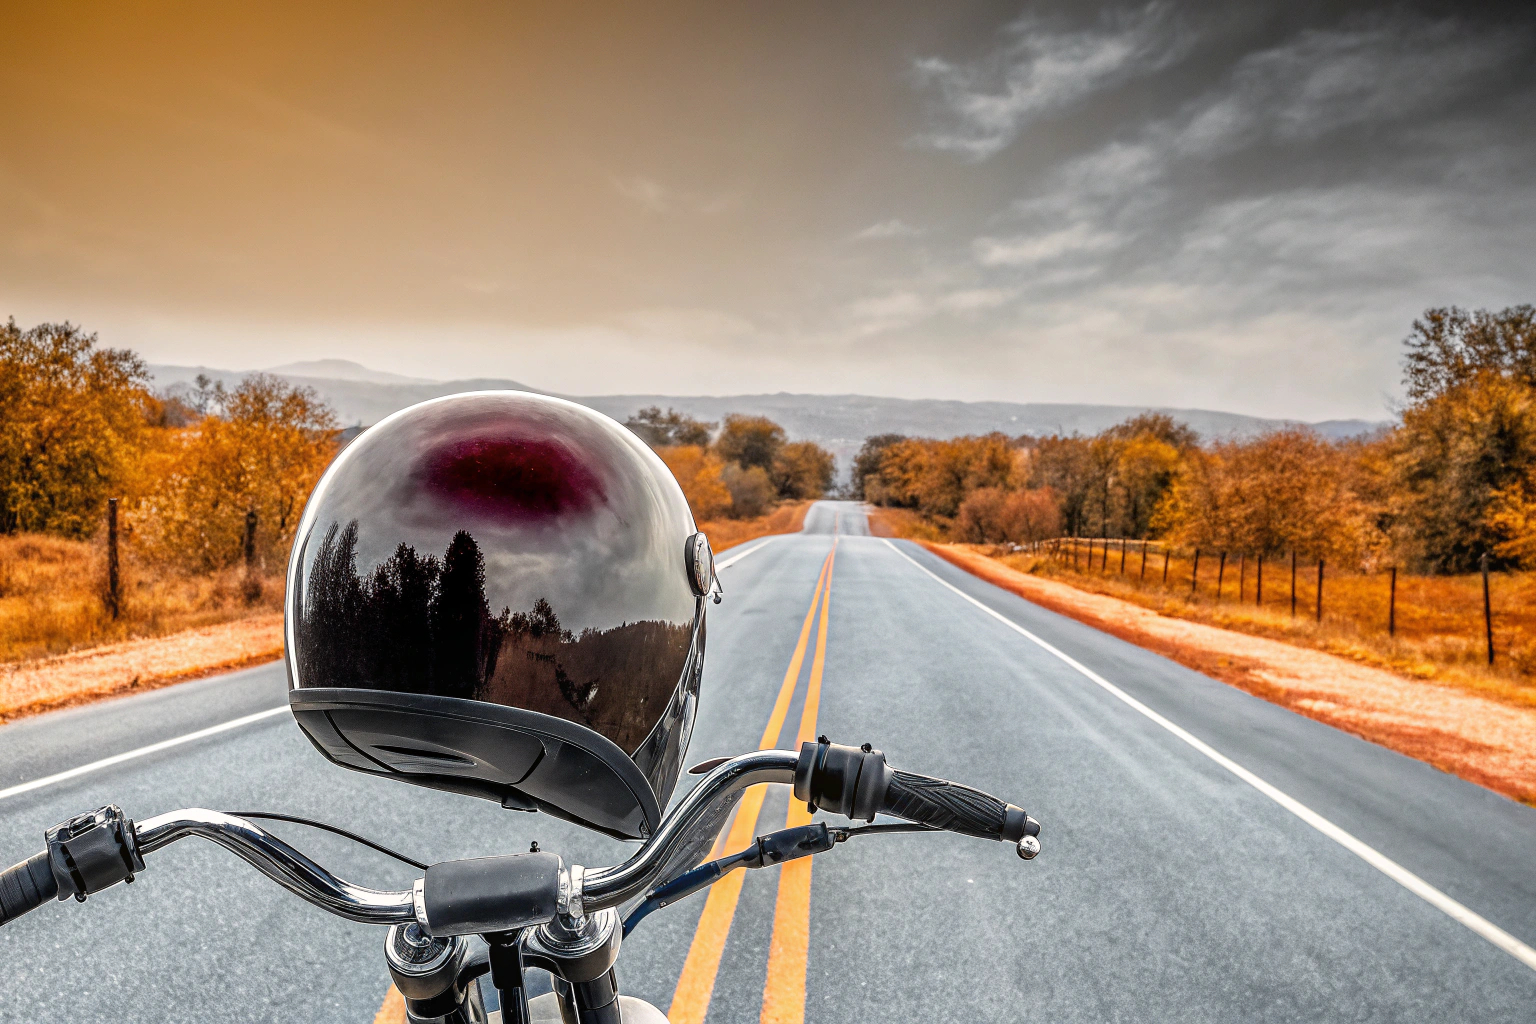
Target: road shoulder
(112,670)
(1483,741)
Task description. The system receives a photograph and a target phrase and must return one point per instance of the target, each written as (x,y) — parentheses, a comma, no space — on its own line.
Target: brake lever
(774,848)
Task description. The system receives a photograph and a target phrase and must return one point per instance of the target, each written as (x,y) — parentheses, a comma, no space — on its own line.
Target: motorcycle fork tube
(506,955)
(589,1002)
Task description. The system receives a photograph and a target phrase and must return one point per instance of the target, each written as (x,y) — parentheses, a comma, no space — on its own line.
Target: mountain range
(362,396)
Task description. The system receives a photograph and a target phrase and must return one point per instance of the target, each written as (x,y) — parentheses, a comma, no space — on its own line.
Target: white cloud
(895,228)
(1040,72)
(1029,250)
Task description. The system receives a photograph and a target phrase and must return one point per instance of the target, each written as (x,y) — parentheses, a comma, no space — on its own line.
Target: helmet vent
(428,755)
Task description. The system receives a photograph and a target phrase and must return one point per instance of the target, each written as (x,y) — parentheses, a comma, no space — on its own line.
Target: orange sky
(601,198)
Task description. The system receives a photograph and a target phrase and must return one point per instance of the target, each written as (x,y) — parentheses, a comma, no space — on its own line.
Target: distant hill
(342,369)
(839,422)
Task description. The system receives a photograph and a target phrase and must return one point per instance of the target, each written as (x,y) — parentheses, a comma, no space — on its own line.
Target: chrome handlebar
(280,862)
(601,888)
(584,891)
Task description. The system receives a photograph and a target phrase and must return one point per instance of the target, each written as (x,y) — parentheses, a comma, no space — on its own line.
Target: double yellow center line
(784,992)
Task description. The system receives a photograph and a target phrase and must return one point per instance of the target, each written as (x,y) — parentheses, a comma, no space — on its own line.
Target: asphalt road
(1168,889)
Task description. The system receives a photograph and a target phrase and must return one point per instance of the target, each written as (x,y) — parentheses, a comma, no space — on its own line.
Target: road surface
(1169,887)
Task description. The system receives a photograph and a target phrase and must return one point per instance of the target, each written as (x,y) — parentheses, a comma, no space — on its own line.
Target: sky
(1217,205)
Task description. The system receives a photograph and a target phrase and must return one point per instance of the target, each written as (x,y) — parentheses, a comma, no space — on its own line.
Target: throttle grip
(856,781)
(26,886)
(953,807)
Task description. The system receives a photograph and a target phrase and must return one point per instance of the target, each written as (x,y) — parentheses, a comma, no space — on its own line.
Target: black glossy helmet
(502,594)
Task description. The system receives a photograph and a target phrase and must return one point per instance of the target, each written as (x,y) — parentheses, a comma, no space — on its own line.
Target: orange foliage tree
(261,451)
(699,473)
(1286,490)
(72,427)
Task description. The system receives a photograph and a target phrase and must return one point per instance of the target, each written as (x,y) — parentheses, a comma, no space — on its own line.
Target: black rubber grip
(491,894)
(26,886)
(951,806)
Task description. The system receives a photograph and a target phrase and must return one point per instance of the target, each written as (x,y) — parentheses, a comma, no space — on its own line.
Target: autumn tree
(72,423)
(750,441)
(261,449)
(669,429)
(699,473)
(1065,465)
(935,476)
(1450,348)
(1462,460)
(803,469)
(867,462)
(1286,490)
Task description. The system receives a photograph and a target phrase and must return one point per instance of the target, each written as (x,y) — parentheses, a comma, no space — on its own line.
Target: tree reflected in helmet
(422,624)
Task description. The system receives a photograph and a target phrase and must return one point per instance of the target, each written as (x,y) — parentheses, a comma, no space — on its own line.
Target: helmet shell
(489,593)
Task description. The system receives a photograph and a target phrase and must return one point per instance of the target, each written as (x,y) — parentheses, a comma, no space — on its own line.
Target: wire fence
(1494,610)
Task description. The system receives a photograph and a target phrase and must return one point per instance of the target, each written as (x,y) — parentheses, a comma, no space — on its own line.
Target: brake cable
(331,828)
(773,848)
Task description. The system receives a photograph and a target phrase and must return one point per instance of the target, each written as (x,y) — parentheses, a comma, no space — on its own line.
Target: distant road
(1169,888)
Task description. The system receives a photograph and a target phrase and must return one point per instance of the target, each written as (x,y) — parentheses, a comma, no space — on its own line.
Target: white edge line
(129,755)
(736,558)
(1376,859)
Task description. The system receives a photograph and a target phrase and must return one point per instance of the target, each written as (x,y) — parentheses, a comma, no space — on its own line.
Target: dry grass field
(52,597)
(58,646)
(1439,619)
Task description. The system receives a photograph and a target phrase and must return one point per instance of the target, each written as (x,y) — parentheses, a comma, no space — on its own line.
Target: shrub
(752,493)
(991,515)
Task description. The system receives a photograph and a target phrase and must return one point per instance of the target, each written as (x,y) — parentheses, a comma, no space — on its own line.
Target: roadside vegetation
(209,484)
(1432,500)
(743,477)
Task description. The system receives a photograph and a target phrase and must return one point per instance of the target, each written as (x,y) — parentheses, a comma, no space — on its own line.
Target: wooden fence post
(250,541)
(1293,583)
(1104,559)
(1122,556)
(1258,586)
(1221,572)
(1487,607)
(1143,560)
(1166,553)
(113,604)
(1319,590)
(1242,576)
(1194,576)
(1392,605)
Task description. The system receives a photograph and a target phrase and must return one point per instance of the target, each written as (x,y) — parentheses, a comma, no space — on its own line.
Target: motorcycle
(531,909)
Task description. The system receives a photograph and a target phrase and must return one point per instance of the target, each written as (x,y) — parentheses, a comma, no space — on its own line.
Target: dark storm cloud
(1240,206)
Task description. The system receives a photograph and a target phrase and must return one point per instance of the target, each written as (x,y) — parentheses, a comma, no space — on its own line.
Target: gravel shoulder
(1487,742)
(32,687)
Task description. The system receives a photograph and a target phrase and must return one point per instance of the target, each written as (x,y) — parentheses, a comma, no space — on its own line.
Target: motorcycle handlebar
(105,847)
